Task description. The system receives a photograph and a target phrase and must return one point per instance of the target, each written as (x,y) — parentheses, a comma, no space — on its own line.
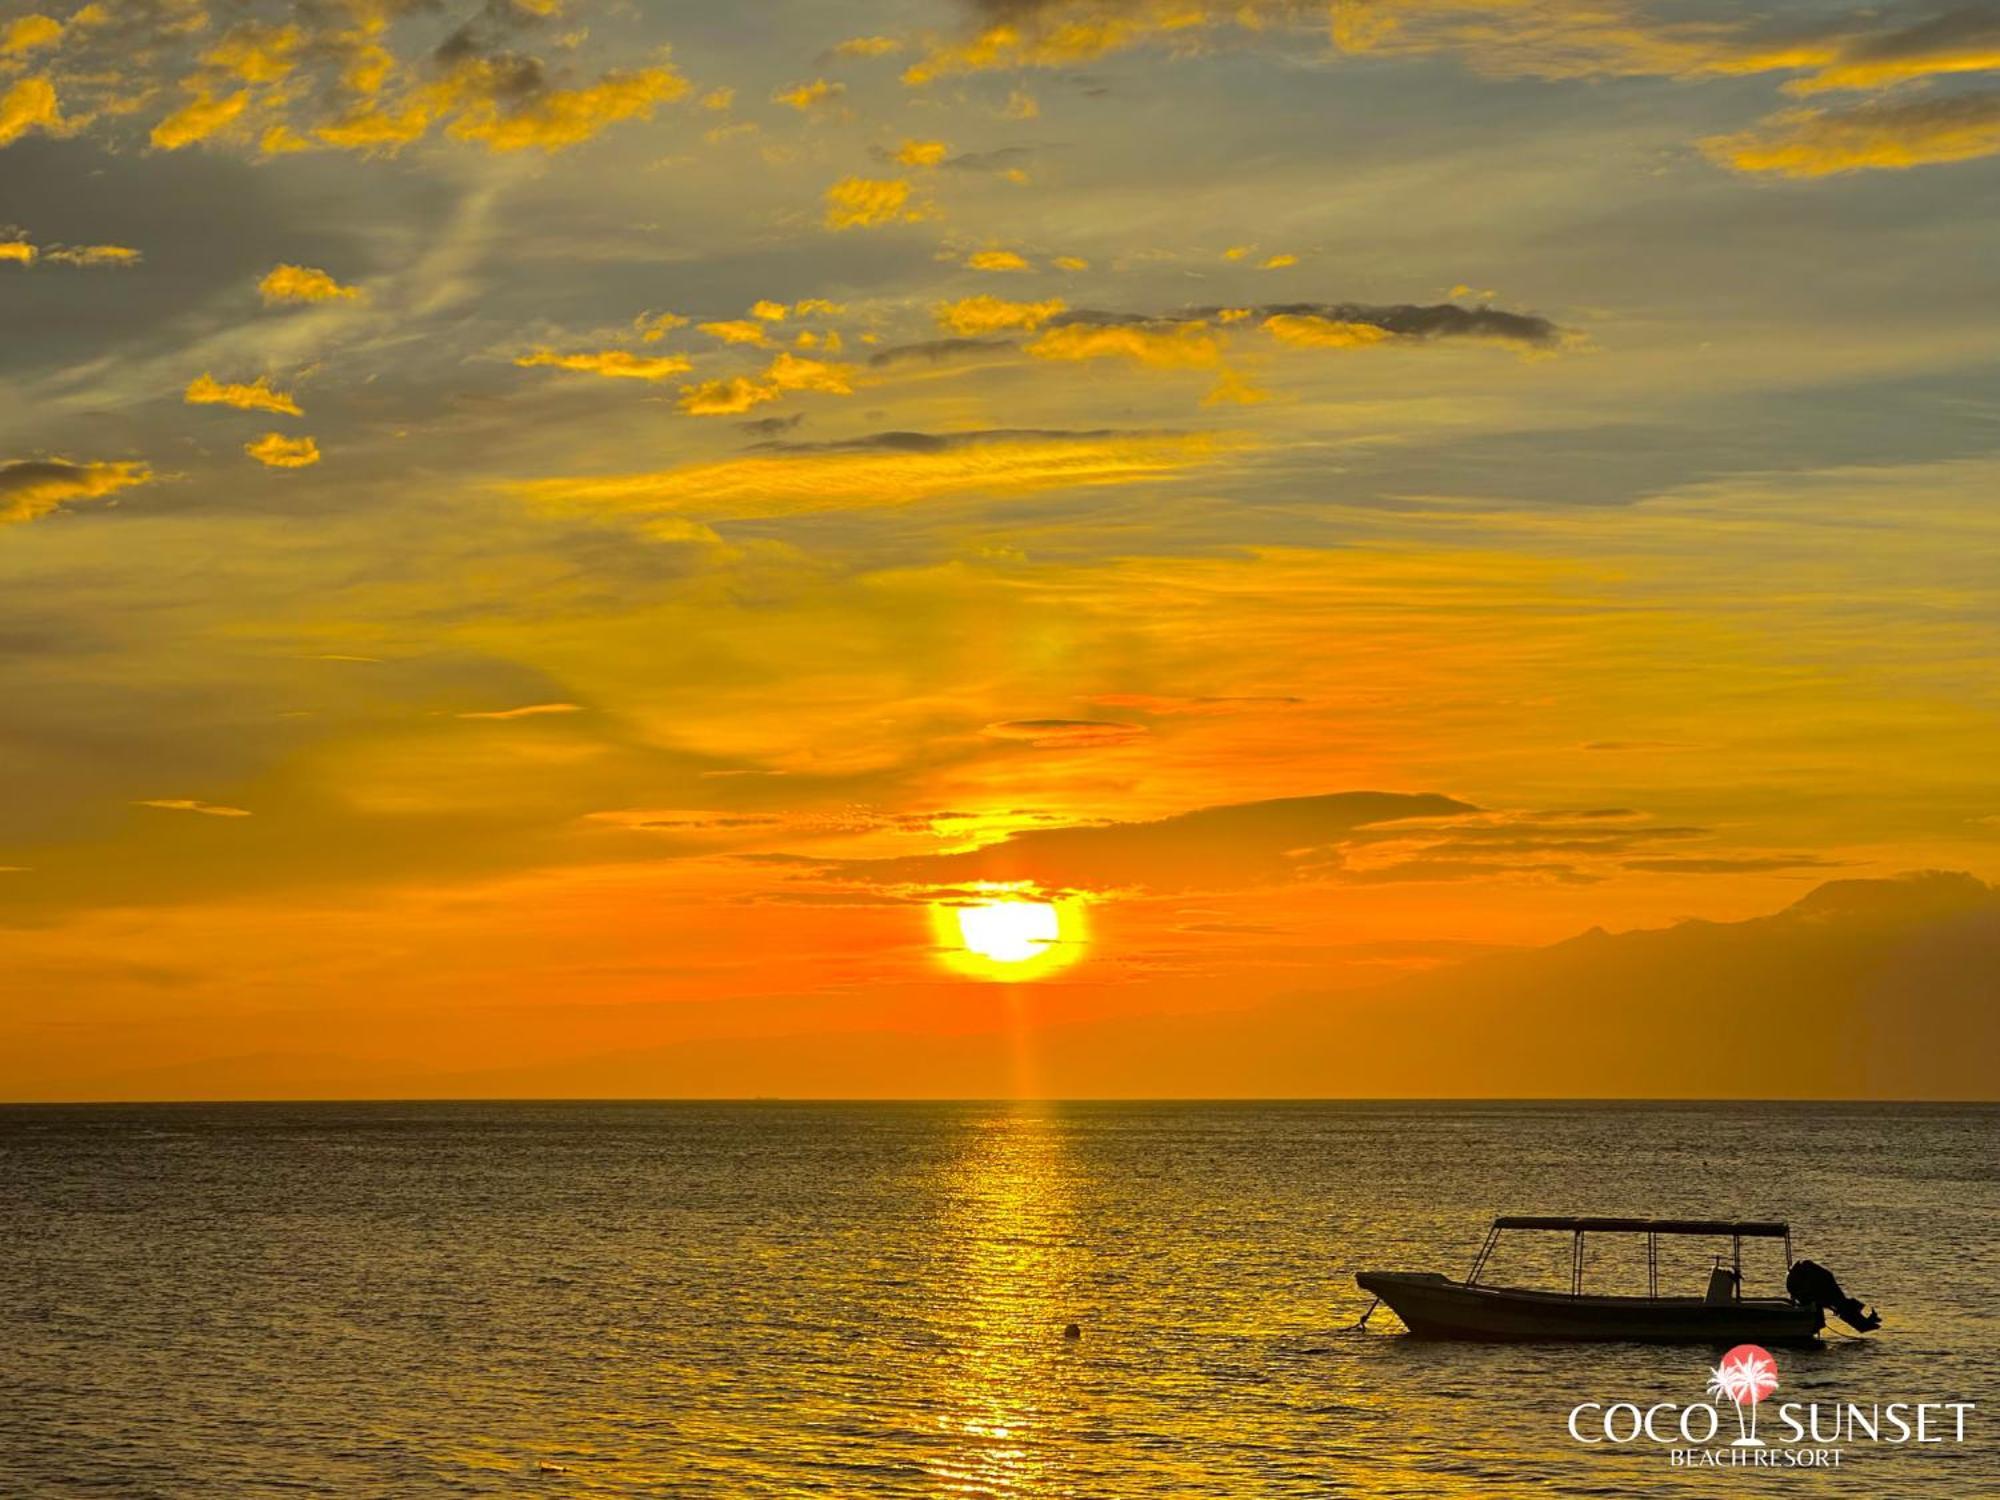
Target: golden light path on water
(1009,1382)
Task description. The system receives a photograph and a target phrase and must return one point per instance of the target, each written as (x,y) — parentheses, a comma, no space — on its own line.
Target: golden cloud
(1860,68)
(791,372)
(922,153)
(20,252)
(29,33)
(94,255)
(559,118)
(1088,34)
(31,104)
(970,317)
(788,372)
(995,260)
(769,312)
(206,390)
(805,96)
(257,53)
(652,327)
(201,117)
(1820,143)
(735,331)
(1176,346)
(366,128)
(1232,389)
(861,202)
(275,450)
(289,283)
(898,469)
(615,364)
(33,487)
(868,46)
(1310,331)
(725,396)
(327,76)
(1863,49)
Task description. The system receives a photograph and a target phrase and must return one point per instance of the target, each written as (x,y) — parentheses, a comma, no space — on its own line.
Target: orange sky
(558,532)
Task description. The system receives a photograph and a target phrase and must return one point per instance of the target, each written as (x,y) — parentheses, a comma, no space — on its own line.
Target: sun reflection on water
(1011,1378)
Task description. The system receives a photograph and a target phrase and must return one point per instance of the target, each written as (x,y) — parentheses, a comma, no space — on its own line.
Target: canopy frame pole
(1736,1263)
(1576,1266)
(1653,1266)
(1472,1276)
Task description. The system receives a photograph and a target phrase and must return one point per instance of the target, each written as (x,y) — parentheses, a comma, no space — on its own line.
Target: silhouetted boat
(1435,1306)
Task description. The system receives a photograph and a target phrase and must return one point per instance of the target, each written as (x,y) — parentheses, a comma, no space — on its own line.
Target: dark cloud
(745,820)
(1749,865)
(1427,870)
(1953,31)
(484,40)
(1564,848)
(1516,835)
(944,442)
(939,350)
(1163,706)
(1241,844)
(1437,320)
(1004,160)
(770,427)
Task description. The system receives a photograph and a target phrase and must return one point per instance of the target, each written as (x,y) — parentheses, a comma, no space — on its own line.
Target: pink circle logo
(1745,1377)
(1748,1373)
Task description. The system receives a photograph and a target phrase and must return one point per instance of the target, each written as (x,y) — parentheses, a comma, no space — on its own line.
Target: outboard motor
(1812,1285)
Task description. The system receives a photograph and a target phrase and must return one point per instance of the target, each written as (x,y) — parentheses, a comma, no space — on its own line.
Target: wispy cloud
(190,805)
(893,468)
(525,711)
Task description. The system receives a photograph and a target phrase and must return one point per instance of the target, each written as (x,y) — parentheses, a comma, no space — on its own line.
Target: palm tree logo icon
(1746,1376)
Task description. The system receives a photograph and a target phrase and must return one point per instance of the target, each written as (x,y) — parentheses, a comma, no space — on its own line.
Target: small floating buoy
(1071,1331)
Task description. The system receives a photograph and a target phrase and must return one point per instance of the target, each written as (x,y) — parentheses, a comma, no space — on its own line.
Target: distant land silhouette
(1879,989)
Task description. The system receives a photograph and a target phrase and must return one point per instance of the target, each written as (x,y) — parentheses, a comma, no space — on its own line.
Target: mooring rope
(1361,1324)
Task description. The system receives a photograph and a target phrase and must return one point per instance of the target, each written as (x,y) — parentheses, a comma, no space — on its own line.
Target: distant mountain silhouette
(1868,988)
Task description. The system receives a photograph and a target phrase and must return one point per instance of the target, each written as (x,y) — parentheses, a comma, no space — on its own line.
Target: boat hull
(1435,1307)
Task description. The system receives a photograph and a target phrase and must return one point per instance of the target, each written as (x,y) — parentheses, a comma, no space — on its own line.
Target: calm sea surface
(861,1300)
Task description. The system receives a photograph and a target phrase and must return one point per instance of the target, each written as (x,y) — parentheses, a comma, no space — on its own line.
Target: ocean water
(859,1300)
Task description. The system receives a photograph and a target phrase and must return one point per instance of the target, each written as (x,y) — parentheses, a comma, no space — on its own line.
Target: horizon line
(1457,1099)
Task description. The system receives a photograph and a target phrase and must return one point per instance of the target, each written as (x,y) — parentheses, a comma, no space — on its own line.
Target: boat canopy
(1749,1229)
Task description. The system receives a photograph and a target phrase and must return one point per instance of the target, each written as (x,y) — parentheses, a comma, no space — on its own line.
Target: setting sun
(1008,932)
(1008,937)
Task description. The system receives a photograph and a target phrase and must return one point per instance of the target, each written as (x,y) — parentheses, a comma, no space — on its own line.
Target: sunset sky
(537,530)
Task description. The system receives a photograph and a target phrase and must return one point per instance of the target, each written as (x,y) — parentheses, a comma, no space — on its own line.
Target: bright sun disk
(1009,932)
(1008,937)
